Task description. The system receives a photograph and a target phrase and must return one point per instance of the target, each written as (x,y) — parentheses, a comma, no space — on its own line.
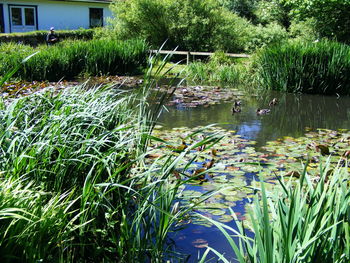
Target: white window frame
(23,27)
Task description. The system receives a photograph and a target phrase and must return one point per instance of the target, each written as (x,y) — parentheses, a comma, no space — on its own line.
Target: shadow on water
(293,116)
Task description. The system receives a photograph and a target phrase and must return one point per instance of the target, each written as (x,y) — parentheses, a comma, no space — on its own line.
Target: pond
(294,116)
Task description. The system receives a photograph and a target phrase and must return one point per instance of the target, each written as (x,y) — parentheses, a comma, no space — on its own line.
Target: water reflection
(293,114)
(291,117)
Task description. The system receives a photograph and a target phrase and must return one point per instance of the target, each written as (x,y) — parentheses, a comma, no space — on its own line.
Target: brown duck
(273,102)
(262,111)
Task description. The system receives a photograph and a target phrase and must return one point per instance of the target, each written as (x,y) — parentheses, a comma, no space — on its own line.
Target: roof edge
(86,1)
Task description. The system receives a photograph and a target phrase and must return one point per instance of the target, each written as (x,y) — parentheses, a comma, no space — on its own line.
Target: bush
(322,67)
(262,36)
(187,24)
(36,38)
(70,59)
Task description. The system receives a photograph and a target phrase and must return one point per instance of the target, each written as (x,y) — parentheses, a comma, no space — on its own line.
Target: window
(29,16)
(22,18)
(16,16)
(2,24)
(96,17)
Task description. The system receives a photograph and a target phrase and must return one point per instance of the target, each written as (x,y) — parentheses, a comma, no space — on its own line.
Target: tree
(331,17)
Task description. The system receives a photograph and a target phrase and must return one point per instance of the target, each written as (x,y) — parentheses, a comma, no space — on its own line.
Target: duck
(235,109)
(262,111)
(237,103)
(273,102)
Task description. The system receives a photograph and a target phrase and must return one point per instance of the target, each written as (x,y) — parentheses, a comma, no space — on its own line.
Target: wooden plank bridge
(188,54)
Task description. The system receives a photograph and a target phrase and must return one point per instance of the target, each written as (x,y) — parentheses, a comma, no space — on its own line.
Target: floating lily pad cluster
(231,168)
(24,88)
(21,88)
(194,96)
(315,146)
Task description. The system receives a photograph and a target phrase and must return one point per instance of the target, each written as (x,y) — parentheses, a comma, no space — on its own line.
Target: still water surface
(293,114)
(291,117)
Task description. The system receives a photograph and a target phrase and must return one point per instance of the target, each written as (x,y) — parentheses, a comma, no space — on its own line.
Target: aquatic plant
(322,68)
(306,220)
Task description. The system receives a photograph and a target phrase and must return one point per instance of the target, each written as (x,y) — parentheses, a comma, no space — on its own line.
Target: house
(25,15)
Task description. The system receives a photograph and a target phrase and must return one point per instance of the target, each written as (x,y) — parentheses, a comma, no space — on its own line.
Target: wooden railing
(191,53)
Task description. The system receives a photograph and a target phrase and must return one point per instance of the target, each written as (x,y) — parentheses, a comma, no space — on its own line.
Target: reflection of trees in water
(289,118)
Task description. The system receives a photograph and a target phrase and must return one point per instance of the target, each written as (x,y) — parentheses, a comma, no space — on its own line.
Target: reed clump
(74,186)
(55,149)
(70,59)
(322,67)
(305,221)
(219,68)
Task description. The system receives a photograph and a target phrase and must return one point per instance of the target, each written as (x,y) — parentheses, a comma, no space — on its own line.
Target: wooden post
(188,57)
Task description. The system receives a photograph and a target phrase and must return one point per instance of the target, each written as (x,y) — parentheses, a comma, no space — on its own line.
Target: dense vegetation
(74,187)
(70,59)
(230,25)
(224,26)
(248,26)
(322,68)
(191,25)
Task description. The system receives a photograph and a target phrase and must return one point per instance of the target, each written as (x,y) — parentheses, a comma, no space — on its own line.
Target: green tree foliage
(272,11)
(331,17)
(243,8)
(189,24)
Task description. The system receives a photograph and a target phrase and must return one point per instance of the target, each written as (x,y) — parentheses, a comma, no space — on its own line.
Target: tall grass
(74,186)
(322,68)
(219,68)
(69,59)
(307,221)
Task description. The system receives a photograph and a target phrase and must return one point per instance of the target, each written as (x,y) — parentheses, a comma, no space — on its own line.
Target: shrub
(322,67)
(36,38)
(186,24)
(262,36)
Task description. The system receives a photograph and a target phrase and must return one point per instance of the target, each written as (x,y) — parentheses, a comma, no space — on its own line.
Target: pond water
(293,116)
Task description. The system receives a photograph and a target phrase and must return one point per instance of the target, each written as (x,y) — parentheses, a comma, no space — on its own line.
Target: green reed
(219,68)
(70,59)
(322,68)
(74,184)
(306,221)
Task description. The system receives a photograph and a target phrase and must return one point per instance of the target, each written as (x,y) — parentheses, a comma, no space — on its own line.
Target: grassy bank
(322,68)
(70,59)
